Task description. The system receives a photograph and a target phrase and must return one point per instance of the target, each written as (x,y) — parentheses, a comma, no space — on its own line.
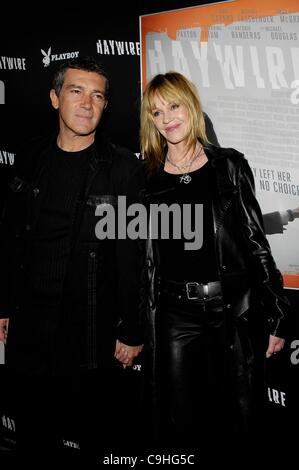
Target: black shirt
(59,189)
(178,263)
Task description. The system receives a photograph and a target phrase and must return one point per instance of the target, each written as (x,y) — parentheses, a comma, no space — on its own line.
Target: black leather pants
(192,341)
(210,379)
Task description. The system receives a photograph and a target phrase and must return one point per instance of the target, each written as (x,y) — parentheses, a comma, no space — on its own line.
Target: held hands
(126,354)
(3,329)
(275,345)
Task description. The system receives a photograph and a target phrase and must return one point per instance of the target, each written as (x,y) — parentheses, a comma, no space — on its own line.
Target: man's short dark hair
(87,63)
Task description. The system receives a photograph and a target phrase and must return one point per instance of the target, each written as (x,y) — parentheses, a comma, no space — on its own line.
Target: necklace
(185,178)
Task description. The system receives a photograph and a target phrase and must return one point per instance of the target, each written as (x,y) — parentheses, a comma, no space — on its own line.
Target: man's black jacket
(103,296)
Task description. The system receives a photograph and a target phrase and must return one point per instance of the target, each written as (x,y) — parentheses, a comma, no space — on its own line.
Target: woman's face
(171,119)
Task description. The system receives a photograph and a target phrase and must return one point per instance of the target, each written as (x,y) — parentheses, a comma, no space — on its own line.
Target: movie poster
(243,56)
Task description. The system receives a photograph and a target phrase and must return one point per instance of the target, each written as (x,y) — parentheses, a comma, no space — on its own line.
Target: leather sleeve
(273,223)
(267,277)
(130,258)
(11,230)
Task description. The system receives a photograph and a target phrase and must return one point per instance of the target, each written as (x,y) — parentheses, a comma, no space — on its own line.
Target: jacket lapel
(225,187)
(101,159)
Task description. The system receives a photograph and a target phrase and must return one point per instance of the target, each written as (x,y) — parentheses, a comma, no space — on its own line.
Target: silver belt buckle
(188,284)
(205,290)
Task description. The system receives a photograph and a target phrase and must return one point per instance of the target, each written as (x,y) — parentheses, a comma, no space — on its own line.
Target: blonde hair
(171,86)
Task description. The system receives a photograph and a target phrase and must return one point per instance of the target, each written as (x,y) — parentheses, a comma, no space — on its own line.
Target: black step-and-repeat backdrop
(28,56)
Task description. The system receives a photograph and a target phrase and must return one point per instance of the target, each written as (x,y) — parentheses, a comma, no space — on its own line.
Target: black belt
(191,290)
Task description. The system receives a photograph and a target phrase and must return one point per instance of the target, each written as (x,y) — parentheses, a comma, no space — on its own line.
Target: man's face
(81,102)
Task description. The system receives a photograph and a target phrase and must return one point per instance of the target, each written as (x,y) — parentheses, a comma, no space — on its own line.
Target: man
(73,302)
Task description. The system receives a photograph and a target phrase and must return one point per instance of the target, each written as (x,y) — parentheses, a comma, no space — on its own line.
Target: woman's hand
(126,354)
(275,345)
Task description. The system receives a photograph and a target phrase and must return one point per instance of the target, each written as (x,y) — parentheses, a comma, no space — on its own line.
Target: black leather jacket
(251,283)
(103,275)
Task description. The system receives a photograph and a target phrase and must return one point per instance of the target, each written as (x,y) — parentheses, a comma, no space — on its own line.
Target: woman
(207,306)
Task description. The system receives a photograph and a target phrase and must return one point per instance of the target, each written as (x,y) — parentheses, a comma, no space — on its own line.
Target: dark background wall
(26,30)
(27,108)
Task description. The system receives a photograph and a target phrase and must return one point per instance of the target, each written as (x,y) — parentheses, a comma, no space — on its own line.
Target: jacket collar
(101,153)
(218,157)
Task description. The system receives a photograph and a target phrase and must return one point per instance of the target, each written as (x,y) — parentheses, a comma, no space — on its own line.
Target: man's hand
(126,354)
(275,345)
(4,329)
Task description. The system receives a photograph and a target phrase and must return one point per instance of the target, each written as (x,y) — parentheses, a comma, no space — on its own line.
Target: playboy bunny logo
(46,58)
